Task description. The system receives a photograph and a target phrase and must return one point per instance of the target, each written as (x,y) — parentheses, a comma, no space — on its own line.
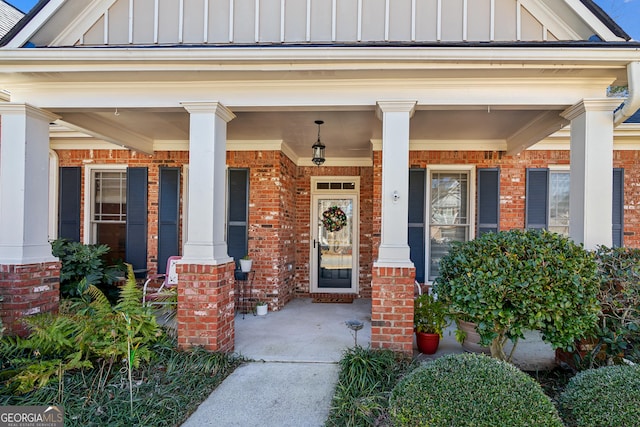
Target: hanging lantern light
(318,148)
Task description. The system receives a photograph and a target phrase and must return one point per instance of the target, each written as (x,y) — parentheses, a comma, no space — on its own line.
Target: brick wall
(280,202)
(27,290)
(205,306)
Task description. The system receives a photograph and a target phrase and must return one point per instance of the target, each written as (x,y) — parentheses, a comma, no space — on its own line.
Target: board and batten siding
(190,22)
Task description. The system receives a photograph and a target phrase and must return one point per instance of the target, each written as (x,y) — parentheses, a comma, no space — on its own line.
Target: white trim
(354,195)
(130,21)
(334,20)
(283,8)
(231,14)
(205,23)
(307,58)
(185,205)
(592,21)
(359,30)
(413,20)
(387,17)
(105,34)
(308,35)
(450,145)
(492,21)
(465,19)
(256,21)
(88,196)
(518,20)
(156,21)
(181,21)
(471,170)
(54,190)
(439,20)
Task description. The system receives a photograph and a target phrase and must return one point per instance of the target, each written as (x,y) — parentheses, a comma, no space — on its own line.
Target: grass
(165,391)
(365,382)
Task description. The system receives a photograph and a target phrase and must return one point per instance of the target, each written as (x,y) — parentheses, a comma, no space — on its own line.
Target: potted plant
(261,308)
(429,319)
(513,281)
(245,264)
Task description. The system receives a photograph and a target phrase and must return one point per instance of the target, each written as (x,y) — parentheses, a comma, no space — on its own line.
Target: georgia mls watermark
(31,416)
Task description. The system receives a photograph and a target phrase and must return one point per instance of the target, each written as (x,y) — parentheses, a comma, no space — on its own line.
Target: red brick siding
(392,308)
(205,306)
(27,290)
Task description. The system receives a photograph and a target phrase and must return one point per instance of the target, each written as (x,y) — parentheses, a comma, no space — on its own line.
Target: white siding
(145,22)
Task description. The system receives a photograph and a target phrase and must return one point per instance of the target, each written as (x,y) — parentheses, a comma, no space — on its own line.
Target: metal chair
(169,279)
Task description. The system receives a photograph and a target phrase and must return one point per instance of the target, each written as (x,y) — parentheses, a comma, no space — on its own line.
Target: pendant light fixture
(318,148)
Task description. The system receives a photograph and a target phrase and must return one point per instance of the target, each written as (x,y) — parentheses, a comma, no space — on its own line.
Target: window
(559,201)
(547,201)
(449,214)
(109,210)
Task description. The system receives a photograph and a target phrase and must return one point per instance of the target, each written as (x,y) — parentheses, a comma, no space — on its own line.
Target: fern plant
(79,336)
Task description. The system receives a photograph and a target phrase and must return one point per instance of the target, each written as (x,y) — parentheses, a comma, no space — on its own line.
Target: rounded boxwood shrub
(608,396)
(470,390)
(515,280)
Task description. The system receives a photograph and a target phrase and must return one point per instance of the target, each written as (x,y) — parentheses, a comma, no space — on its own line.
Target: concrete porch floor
(307,332)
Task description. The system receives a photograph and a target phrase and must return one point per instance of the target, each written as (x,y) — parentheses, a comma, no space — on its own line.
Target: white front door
(334,249)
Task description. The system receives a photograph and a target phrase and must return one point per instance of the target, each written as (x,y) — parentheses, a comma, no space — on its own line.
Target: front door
(334,255)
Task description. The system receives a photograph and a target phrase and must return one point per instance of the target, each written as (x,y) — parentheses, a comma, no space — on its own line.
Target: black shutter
(417,194)
(69,203)
(618,207)
(136,245)
(537,198)
(168,215)
(238,211)
(488,201)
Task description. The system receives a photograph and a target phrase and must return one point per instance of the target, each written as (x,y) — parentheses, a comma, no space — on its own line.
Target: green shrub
(364,383)
(470,390)
(618,328)
(513,281)
(83,265)
(608,396)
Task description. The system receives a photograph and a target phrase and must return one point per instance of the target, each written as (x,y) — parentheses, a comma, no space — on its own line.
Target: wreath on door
(334,219)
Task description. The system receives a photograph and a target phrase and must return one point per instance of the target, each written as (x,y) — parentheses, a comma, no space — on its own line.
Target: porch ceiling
(348,134)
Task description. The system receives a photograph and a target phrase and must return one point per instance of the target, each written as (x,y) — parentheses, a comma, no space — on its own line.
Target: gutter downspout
(632,103)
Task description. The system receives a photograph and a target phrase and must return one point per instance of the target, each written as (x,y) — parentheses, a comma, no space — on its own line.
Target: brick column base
(392,308)
(27,290)
(206,307)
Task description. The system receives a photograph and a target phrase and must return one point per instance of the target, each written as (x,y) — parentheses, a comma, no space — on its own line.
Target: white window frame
(471,171)
(89,190)
(557,169)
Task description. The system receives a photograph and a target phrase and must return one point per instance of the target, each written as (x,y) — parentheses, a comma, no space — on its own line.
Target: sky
(625,12)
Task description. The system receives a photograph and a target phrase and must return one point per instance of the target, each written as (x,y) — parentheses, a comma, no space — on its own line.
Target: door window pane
(335,238)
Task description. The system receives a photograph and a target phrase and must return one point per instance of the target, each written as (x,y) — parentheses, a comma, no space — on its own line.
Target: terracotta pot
(471,343)
(427,343)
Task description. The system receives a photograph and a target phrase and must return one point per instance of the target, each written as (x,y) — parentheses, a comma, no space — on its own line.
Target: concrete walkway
(293,373)
(294,352)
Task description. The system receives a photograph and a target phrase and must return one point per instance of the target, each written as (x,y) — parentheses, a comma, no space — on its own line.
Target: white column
(206,242)
(591,196)
(24,185)
(394,246)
